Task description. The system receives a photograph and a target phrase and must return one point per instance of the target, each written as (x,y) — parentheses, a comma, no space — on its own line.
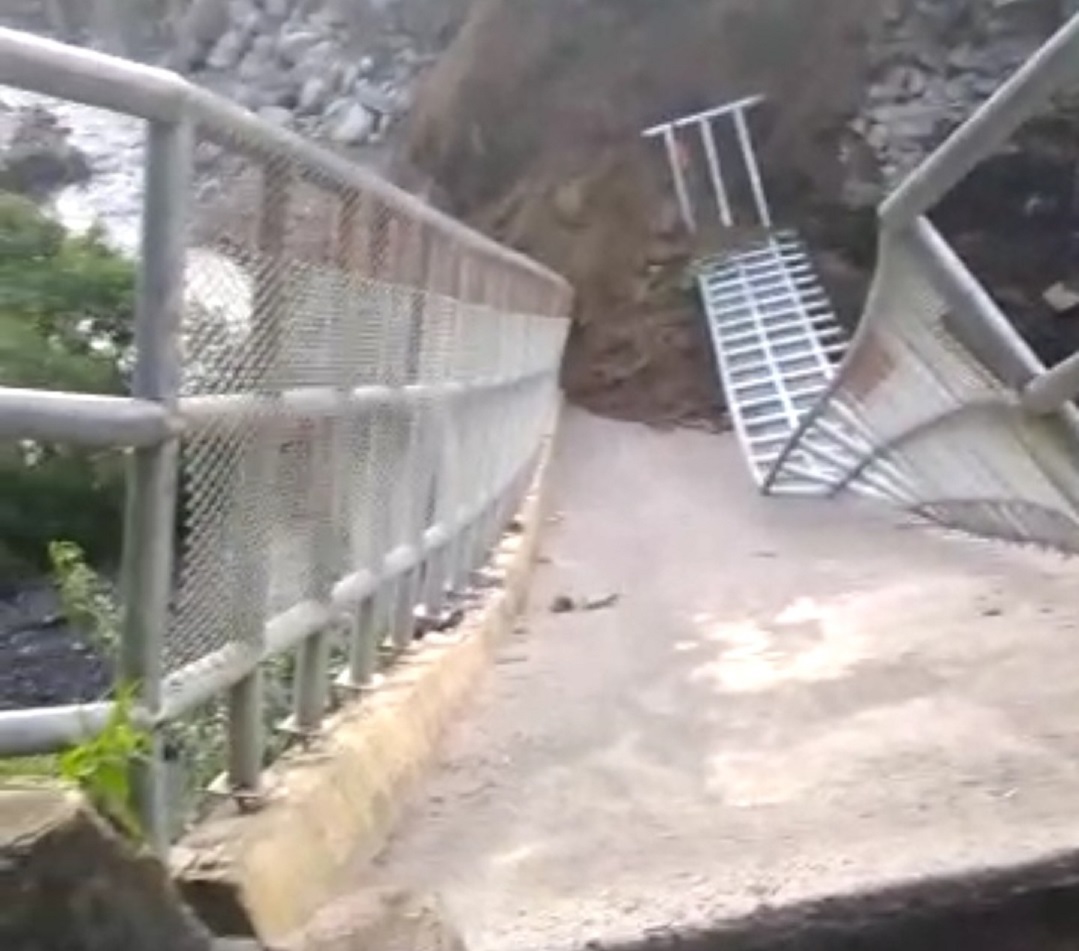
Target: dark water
(43,661)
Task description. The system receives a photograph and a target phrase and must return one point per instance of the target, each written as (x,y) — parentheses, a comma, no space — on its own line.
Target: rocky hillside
(338,70)
(530,127)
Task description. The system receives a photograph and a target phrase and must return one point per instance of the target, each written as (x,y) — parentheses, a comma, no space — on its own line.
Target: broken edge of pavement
(266,873)
(1031,906)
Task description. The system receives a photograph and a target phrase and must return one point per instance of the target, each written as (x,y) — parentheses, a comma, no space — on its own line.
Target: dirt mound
(530,127)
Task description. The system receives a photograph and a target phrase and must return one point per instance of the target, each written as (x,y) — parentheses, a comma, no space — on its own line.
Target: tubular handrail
(354,457)
(108,82)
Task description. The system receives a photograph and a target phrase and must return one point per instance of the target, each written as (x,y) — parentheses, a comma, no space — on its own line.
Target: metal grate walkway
(777,343)
(776,338)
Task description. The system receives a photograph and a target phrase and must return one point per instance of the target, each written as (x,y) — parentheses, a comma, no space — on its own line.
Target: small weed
(101,767)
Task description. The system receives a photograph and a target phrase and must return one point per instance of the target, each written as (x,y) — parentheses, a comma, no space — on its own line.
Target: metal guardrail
(960,420)
(349,449)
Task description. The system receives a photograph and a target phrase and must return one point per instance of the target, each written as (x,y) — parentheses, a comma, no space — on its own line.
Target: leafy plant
(66,323)
(86,601)
(101,767)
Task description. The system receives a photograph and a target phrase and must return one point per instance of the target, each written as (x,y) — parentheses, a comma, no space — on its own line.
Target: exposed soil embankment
(530,127)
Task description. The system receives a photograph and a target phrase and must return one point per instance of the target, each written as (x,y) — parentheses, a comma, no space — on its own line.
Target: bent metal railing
(343,391)
(939,404)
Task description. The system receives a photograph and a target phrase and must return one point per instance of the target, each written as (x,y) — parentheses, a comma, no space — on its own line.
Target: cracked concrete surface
(790,699)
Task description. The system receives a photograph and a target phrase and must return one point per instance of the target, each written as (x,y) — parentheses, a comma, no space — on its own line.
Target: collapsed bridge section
(936,404)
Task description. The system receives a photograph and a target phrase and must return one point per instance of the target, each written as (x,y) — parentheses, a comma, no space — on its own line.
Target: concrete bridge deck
(789,699)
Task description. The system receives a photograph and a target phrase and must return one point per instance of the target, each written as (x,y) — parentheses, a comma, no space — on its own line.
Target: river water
(114,146)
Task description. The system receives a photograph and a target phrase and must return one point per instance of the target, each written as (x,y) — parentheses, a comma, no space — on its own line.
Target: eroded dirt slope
(530,127)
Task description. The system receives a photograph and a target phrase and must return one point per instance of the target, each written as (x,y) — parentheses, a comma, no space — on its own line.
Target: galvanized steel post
(678,174)
(152,484)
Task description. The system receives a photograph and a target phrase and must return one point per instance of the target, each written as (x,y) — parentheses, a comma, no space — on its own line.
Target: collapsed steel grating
(777,344)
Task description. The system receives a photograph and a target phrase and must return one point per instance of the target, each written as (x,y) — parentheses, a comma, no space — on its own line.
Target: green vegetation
(101,767)
(66,319)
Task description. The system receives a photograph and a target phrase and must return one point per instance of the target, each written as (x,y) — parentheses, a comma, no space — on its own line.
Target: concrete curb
(266,873)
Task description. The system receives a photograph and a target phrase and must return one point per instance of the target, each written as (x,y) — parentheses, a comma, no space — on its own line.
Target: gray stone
(200,27)
(241,11)
(877,136)
(354,126)
(314,60)
(68,881)
(292,46)
(313,95)
(276,114)
(337,108)
(279,9)
(373,99)
(350,75)
(264,45)
(257,69)
(38,157)
(251,25)
(1062,298)
(963,58)
(228,51)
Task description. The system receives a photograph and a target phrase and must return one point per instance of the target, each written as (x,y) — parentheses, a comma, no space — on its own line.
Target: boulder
(374,99)
(256,69)
(1063,299)
(228,51)
(68,881)
(316,60)
(278,9)
(293,45)
(354,127)
(198,30)
(313,95)
(278,115)
(242,11)
(38,159)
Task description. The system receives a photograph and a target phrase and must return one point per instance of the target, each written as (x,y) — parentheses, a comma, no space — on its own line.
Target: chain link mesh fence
(357,381)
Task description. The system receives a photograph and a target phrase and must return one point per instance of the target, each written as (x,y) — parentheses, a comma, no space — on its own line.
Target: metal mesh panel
(917,418)
(353,378)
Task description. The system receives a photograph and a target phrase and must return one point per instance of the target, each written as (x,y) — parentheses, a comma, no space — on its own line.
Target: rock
(278,9)
(38,158)
(313,95)
(563,604)
(278,115)
(265,46)
(292,46)
(373,99)
(963,59)
(256,69)
(242,11)
(251,25)
(68,881)
(354,127)
(200,27)
(315,60)
(228,51)
(1062,298)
